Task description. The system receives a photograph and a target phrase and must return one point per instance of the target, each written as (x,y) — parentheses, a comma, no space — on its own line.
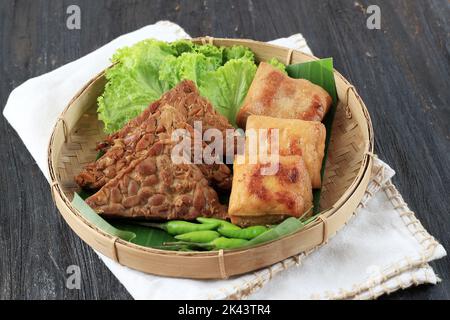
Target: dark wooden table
(402,72)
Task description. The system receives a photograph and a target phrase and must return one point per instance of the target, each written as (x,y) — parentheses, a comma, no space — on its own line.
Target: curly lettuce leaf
(238,52)
(191,66)
(212,52)
(181,46)
(277,64)
(143,72)
(133,82)
(227,87)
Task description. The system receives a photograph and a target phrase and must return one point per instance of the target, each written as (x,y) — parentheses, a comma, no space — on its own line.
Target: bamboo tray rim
(365,168)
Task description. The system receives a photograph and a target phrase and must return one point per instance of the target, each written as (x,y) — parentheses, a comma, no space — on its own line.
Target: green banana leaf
(287,227)
(98,221)
(319,72)
(144,236)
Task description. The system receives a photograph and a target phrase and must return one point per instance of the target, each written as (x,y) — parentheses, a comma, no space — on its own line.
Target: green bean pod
(216,244)
(221,223)
(177,227)
(246,233)
(198,236)
(227,243)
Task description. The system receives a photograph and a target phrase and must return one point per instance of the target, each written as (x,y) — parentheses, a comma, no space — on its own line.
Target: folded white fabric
(383,247)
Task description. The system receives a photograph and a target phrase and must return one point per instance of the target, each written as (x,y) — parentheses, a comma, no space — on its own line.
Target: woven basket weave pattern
(347,174)
(79,149)
(344,158)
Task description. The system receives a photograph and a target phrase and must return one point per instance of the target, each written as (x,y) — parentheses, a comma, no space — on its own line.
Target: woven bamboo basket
(347,174)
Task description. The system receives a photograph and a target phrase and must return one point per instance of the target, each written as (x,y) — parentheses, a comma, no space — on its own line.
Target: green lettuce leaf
(181,46)
(277,64)
(133,82)
(238,52)
(189,65)
(143,72)
(227,87)
(212,52)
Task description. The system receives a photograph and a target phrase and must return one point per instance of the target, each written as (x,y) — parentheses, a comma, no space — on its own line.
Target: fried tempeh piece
(153,187)
(123,151)
(158,126)
(186,98)
(273,93)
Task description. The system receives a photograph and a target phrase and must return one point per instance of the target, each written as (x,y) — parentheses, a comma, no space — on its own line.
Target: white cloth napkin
(383,248)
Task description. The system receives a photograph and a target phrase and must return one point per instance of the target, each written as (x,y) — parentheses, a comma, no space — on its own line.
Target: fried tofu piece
(296,137)
(257,198)
(153,187)
(273,93)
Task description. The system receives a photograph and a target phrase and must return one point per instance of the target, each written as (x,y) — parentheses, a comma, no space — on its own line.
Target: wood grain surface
(402,72)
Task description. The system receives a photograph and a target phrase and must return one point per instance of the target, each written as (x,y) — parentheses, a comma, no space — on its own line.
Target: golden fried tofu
(296,137)
(273,93)
(266,199)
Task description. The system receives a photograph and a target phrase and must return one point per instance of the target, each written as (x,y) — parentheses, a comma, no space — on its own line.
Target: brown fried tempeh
(153,187)
(157,127)
(186,98)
